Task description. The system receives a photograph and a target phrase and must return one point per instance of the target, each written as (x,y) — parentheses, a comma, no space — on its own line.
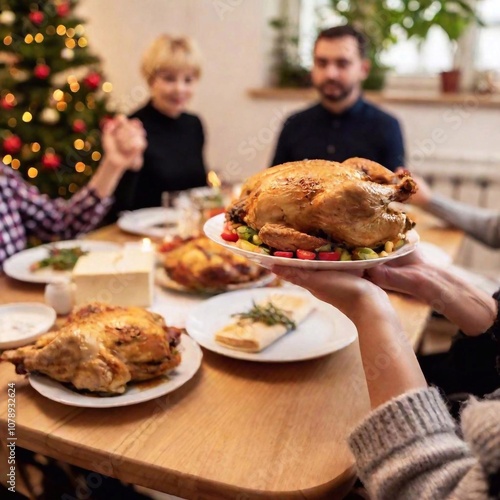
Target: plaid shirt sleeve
(47,219)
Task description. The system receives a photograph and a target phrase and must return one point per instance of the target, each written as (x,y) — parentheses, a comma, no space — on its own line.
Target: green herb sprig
(60,259)
(268,314)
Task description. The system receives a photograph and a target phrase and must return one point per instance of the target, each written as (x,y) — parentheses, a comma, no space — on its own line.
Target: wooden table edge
(110,464)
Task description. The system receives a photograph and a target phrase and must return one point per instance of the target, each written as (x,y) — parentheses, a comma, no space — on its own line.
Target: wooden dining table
(237,430)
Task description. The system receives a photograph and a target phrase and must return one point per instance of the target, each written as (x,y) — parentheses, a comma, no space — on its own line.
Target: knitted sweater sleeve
(479,223)
(408,449)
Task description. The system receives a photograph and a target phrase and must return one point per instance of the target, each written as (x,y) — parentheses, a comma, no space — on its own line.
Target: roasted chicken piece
(306,204)
(101,348)
(201,264)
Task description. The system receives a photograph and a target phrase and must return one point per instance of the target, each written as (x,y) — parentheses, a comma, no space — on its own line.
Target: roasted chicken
(201,264)
(307,204)
(101,348)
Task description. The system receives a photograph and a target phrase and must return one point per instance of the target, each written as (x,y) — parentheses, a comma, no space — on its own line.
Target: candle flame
(146,245)
(213,179)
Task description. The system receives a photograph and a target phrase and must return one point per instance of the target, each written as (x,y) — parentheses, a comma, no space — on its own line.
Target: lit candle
(213,181)
(146,245)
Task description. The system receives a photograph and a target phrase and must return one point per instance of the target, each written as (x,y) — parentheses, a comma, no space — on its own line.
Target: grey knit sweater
(409,449)
(480,223)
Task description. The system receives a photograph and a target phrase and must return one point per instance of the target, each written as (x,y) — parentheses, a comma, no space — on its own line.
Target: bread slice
(249,335)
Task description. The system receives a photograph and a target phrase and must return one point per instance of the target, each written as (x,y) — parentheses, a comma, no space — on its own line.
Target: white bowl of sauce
(22,323)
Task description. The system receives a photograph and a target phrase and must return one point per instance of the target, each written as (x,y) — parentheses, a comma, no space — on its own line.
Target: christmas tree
(52,95)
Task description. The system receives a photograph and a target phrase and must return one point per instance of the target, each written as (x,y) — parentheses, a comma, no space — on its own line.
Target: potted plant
(385,24)
(453,17)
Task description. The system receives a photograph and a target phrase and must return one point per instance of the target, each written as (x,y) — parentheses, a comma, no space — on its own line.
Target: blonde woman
(173,159)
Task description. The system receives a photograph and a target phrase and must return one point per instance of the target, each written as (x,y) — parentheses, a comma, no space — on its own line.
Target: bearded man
(342,125)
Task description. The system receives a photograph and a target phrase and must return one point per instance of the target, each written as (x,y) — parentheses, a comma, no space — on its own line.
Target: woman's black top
(173,161)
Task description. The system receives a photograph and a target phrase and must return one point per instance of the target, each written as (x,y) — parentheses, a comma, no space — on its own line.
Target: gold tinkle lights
(32,172)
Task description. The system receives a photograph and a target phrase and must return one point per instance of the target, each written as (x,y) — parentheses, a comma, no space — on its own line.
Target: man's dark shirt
(363,130)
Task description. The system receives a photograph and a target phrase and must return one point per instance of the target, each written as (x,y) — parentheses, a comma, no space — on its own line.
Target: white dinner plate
(163,279)
(18,266)
(22,323)
(191,361)
(156,222)
(324,331)
(214,227)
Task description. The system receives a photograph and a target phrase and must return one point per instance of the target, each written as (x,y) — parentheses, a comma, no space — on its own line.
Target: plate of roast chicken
(319,214)
(200,266)
(106,356)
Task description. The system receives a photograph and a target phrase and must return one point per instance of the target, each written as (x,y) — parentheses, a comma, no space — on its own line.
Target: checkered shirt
(25,212)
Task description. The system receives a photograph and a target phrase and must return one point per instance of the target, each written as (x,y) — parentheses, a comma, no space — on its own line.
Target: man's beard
(343,94)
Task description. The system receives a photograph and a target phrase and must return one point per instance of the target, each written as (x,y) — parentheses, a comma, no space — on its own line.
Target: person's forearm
(479,223)
(107,177)
(389,363)
(471,309)
(408,448)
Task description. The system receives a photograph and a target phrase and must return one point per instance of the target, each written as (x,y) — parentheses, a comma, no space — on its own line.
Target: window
(410,57)
(488,36)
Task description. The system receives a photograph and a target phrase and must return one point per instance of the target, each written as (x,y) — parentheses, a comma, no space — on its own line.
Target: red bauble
(63,9)
(41,71)
(51,161)
(79,126)
(36,17)
(5,104)
(12,144)
(92,80)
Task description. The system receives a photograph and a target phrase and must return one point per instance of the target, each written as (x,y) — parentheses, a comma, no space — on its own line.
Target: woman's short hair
(168,52)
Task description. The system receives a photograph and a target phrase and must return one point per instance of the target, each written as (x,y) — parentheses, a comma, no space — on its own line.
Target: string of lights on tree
(52,95)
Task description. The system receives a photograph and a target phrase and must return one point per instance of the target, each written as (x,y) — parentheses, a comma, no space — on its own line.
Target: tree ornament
(12,144)
(36,17)
(51,161)
(41,71)
(63,9)
(19,75)
(79,126)
(92,80)
(7,17)
(4,104)
(67,54)
(49,116)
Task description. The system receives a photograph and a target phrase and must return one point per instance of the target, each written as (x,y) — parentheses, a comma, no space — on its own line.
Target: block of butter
(122,278)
